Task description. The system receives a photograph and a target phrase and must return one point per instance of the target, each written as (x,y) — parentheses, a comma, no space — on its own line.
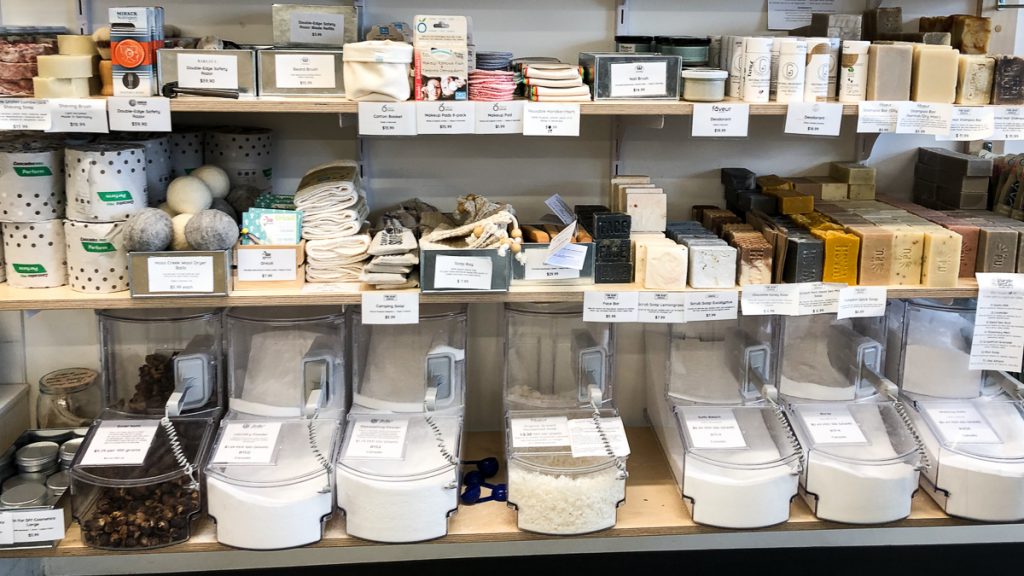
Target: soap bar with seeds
(907,251)
(940,266)
(712,266)
(874,267)
(831,188)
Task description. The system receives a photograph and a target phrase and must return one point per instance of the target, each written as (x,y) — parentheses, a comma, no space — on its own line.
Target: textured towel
(341,224)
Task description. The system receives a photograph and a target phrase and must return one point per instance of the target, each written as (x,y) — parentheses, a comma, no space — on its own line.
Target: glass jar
(68,398)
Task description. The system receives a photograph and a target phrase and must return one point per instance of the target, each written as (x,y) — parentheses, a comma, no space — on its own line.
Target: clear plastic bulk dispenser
(398,469)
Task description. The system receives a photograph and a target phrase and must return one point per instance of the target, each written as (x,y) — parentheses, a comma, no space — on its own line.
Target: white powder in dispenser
(700,373)
(939,372)
(572,503)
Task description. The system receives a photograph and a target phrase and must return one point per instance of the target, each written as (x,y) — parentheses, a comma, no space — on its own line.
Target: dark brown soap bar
(935,24)
(613,250)
(969,234)
(697,211)
(882,21)
(613,272)
(997,250)
(1008,86)
(805,257)
(611,225)
(738,178)
(585,214)
(954,162)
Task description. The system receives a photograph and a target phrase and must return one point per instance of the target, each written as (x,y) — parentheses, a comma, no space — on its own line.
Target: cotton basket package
(31,181)
(106,182)
(246,154)
(377,71)
(158,162)
(35,253)
(97,260)
(186,150)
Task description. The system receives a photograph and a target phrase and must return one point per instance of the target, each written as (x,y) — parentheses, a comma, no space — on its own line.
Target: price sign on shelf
(445,117)
(713,428)
(387,118)
(248,443)
(391,308)
(877,117)
(720,120)
(862,302)
(610,306)
(923,118)
(139,114)
(661,307)
(1008,123)
(121,442)
(970,123)
(180,273)
(818,298)
(551,119)
(79,115)
(767,299)
(209,70)
(462,272)
(24,114)
(814,118)
(499,117)
(704,306)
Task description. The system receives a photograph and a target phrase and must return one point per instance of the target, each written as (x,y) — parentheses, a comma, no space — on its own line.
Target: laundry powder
(186,150)
(939,372)
(97,260)
(105,182)
(36,254)
(701,372)
(562,501)
(31,181)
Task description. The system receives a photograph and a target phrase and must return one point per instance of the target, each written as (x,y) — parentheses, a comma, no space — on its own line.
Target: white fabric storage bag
(377,70)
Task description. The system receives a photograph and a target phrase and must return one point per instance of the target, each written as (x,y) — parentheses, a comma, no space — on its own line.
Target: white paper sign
(561,209)
(562,239)
(248,443)
(462,272)
(209,70)
(814,118)
(661,307)
(998,342)
(36,525)
(499,117)
(180,273)
(610,306)
(818,298)
(24,114)
(572,256)
(862,302)
(129,114)
(78,115)
(536,269)
(877,117)
(445,117)
(586,439)
(970,123)
(638,79)
(924,118)
(304,71)
(833,425)
(387,118)
(315,28)
(6,529)
(766,299)
(790,14)
(704,306)
(391,308)
(121,442)
(1008,123)
(551,119)
(720,120)
(713,428)
(266,264)
(546,432)
(378,439)
(961,423)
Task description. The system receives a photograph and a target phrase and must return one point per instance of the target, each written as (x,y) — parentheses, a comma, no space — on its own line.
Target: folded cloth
(558,72)
(382,279)
(339,178)
(342,224)
(407,259)
(335,248)
(392,240)
(412,281)
(347,273)
(553,83)
(575,91)
(372,266)
(559,98)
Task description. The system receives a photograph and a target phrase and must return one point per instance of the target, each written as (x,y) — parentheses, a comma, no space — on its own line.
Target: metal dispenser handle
(194,377)
(590,362)
(440,375)
(755,374)
(850,352)
(318,375)
(869,373)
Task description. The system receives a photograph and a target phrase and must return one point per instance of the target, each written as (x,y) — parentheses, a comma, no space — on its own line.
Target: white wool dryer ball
(166,208)
(178,223)
(188,195)
(215,178)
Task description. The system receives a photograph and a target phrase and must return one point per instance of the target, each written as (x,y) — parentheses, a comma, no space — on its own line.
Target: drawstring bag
(377,71)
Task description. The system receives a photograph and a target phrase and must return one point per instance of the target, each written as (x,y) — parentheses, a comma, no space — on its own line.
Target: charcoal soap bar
(585,214)
(611,225)
(1008,86)
(804,259)
(954,162)
(738,178)
(613,250)
(613,272)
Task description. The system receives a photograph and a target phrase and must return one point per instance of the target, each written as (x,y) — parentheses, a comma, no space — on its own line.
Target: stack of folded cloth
(334,222)
(552,82)
(395,255)
(493,60)
(491,85)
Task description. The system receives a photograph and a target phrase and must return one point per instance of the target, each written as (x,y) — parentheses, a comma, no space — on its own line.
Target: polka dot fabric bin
(97,260)
(36,254)
(31,182)
(105,182)
(158,162)
(186,151)
(246,154)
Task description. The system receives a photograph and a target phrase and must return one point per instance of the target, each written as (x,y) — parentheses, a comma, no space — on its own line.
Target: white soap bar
(935,74)
(639,250)
(648,209)
(64,66)
(665,266)
(712,266)
(61,87)
(974,85)
(73,45)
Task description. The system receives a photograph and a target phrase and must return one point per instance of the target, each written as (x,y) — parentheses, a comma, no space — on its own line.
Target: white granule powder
(561,504)
(269,518)
(523,395)
(939,372)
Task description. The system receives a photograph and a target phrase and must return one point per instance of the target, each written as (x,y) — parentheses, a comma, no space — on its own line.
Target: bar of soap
(793,202)
(974,81)
(907,251)
(935,24)
(66,66)
(613,250)
(1008,85)
(954,162)
(940,265)
(771,183)
(665,267)
(611,225)
(804,258)
(851,172)
(60,87)
(753,259)
(648,209)
(75,45)
(712,266)
(738,178)
(969,234)
(882,21)
(930,38)
(971,33)
(889,71)
(613,272)
(845,26)
(842,251)
(935,74)
(874,267)
(714,220)
(756,201)
(997,250)
(830,189)
(862,191)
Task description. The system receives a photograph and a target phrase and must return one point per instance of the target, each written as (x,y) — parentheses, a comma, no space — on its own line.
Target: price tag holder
(610,306)
(705,306)
(391,308)
(546,432)
(499,117)
(998,342)
(183,274)
(586,440)
(970,123)
(462,272)
(317,28)
(79,115)
(24,114)
(1008,123)
(961,423)
(818,298)
(862,302)
(30,526)
(120,442)
(378,439)
(151,114)
(661,307)
(877,117)
(713,428)
(209,70)
(767,299)
(536,269)
(551,119)
(720,120)
(304,71)
(266,265)
(445,117)
(638,79)
(814,118)
(831,425)
(387,118)
(248,443)
(924,118)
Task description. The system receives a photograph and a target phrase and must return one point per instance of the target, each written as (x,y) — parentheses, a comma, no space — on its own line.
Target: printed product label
(32,171)
(115,197)
(29,269)
(98,247)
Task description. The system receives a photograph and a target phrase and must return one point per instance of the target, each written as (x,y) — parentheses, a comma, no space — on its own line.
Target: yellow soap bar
(791,202)
(875,263)
(940,264)
(770,184)
(907,253)
(841,256)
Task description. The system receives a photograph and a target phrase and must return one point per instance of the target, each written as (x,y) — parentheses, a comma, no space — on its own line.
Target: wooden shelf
(64,298)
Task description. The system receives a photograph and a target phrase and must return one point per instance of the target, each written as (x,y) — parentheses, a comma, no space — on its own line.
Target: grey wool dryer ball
(148,231)
(223,206)
(211,230)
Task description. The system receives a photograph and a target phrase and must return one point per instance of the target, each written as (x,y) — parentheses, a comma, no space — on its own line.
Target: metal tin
(59,482)
(24,495)
(641,76)
(68,451)
(301,72)
(37,456)
(244,60)
(693,50)
(704,85)
(634,44)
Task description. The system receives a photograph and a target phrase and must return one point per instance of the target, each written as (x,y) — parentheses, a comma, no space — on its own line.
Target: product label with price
(139,114)
(78,115)
(661,307)
(1008,123)
(499,117)
(463,272)
(266,265)
(387,118)
(248,443)
(208,71)
(814,118)
(610,306)
(24,114)
(720,120)
(390,308)
(180,274)
(970,123)
(445,117)
(877,117)
(304,71)
(318,28)
(924,118)
(638,79)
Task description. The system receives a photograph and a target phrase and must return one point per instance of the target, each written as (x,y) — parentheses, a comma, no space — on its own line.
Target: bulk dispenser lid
(401,447)
(542,440)
(987,429)
(860,433)
(273,452)
(742,437)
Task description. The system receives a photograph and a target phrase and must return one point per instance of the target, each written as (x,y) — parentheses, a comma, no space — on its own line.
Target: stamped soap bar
(738,178)
(611,225)
(613,250)
(1008,86)
(613,272)
(804,256)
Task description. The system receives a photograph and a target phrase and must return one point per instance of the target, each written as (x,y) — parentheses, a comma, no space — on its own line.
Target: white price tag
(180,273)
(24,114)
(561,240)
(704,306)
(961,423)
(378,439)
(814,118)
(877,117)
(151,114)
(248,443)
(862,302)
(499,117)
(210,70)
(586,439)
(571,256)
(713,428)
(970,123)
(445,117)
(37,525)
(387,118)
(833,425)
(546,432)
(661,307)
(767,299)
(610,306)
(79,115)
(639,79)
(1008,123)
(551,119)
(462,272)
(6,529)
(998,342)
(266,264)
(304,71)
(315,28)
(561,209)
(924,118)
(818,298)
(720,120)
(121,442)
(536,269)
(391,308)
